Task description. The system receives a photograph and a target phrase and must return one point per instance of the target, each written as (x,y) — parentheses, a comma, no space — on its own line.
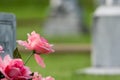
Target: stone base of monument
(99,71)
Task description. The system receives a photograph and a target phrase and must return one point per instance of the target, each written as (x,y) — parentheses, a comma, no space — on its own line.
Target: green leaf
(16,54)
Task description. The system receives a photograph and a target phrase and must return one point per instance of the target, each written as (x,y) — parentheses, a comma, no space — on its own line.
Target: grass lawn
(25,12)
(63,66)
(23,30)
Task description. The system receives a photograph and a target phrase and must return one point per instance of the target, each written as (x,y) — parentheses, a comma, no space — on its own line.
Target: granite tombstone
(7,33)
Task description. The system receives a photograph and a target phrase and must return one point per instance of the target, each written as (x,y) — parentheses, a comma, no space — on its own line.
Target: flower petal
(7,60)
(49,78)
(39,60)
(0,60)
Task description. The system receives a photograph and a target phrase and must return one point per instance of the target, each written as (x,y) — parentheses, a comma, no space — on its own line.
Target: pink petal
(22,43)
(4,79)
(14,72)
(7,59)
(33,32)
(43,39)
(2,64)
(25,44)
(39,60)
(49,78)
(0,59)
(1,48)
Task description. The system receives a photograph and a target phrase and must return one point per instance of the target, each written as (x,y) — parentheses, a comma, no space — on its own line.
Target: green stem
(28,58)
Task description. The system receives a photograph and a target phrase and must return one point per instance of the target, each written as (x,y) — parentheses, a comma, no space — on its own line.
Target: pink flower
(14,69)
(37,44)
(36,76)
(1,49)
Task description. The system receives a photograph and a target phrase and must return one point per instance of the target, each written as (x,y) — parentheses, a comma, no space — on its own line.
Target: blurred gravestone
(64,18)
(7,33)
(106,40)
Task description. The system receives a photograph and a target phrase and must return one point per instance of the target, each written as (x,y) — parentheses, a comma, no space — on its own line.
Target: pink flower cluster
(15,69)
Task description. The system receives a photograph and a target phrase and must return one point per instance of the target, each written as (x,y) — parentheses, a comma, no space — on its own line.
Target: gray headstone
(7,33)
(64,18)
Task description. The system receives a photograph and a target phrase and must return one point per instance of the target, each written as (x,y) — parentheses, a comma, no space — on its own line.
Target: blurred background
(32,15)
(49,17)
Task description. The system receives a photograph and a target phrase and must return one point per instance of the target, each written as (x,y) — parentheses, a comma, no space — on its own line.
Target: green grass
(63,66)
(26,12)
(22,31)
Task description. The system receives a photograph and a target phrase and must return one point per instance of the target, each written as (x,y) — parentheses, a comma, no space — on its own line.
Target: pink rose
(36,76)
(14,69)
(37,44)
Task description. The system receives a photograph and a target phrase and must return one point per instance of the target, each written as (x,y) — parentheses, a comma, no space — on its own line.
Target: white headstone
(106,40)
(64,18)
(106,44)
(7,33)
